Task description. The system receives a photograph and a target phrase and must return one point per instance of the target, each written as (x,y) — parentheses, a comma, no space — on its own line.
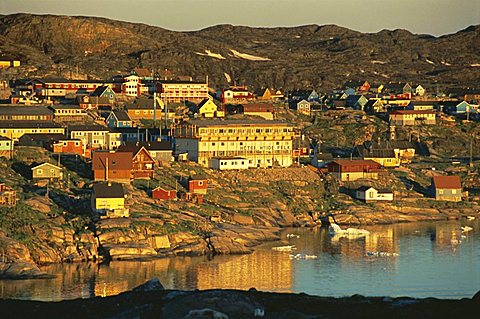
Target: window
(39,171)
(454,191)
(440,191)
(200,183)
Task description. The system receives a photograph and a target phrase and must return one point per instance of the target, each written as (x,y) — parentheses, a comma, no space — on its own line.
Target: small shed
(371,194)
(46,171)
(164,194)
(197,185)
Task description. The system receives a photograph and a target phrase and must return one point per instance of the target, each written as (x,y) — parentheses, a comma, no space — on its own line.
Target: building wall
(197,186)
(262,146)
(385,162)
(448,194)
(16,133)
(164,194)
(94,139)
(108,203)
(179,92)
(228,164)
(69,147)
(412,119)
(121,176)
(46,172)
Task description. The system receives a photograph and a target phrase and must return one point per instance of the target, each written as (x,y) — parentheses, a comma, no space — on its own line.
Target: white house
(303,107)
(371,194)
(228,163)
(420,90)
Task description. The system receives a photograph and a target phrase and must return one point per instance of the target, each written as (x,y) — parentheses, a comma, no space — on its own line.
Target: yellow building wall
(109,203)
(16,133)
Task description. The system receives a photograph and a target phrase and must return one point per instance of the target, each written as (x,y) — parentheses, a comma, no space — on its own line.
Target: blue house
(357,102)
(119,119)
(136,134)
(456,107)
(105,93)
(308,95)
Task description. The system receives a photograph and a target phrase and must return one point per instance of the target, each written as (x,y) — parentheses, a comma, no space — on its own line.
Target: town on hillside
(171,154)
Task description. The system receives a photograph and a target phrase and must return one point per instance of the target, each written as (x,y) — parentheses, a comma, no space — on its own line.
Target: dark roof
(368,150)
(197,177)
(63,80)
(127,130)
(99,90)
(179,82)
(121,115)
(424,102)
(91,127)
(142,72)
(364,188)
(384,191)
(3,138)
(64,107)
(27,110)
(394,144)
(108,190)
(28,124)
(116,161)
(43,137)
(142,103)
(346,162)
(447,182)
(149,146)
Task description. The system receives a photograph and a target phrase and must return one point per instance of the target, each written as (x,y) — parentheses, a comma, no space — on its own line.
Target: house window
(39,171)
(454,191)
(200,183)
(440,191)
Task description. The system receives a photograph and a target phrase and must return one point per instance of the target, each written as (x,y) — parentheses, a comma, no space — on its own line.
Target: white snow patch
(297,37)
(375,72)
(246,56)
(384,75)
(361,70)
(227,76)
(211,54)
(475,64)
(378,62)
(428,61)
(445,63)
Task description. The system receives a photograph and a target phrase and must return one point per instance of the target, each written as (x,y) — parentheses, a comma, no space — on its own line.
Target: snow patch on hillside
(246,56)
(475,64)
(211,54)
(429,61)
(445,63)
(378,62)
(227,77)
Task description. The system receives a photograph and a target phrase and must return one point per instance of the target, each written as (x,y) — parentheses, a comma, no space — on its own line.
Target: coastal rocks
(21,270)
(11,250)
(129,251)
(153,284)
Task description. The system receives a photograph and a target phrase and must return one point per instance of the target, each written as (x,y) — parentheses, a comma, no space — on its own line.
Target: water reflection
(429,256)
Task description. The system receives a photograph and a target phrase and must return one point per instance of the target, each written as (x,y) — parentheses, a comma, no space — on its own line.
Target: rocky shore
(151,301)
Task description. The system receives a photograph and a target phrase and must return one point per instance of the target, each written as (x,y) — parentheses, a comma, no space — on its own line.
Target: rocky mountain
(314,56)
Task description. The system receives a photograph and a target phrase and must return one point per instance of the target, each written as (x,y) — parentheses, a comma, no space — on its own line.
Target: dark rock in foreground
(240,304)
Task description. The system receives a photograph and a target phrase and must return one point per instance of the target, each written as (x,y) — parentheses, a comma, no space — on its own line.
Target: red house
(197,185)
(112,166)
(70,147)
(142,161)
(164,194)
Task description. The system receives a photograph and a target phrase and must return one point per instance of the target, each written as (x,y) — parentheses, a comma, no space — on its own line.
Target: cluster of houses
(116,124)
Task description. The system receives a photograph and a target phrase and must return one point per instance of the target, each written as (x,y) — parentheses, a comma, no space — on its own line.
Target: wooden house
(303,107)
(25,113)
(447,188)
(375,106)
(421,105)
(108,200)
(8,196)
(15,130)
(263,110)
(236,95)
(270,94)
(208,109)
(112,166)
(357,102)
(69,146)
(197,185)
(160,151)
(119,118)
(384,156)
(146,109)
(350,170)
(310,95)
(68,113)
(6,147)
(455,107)
(410,117)
(142,162)
(46,171)
(371,194)
(357,85)
(398,88)
(420,90)
(164,194)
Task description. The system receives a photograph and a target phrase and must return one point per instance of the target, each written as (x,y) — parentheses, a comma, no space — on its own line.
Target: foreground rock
(240,304)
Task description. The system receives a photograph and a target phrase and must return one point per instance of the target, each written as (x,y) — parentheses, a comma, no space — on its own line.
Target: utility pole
(154,109)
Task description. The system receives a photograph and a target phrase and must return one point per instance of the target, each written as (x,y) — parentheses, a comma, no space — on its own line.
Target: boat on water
(336,230)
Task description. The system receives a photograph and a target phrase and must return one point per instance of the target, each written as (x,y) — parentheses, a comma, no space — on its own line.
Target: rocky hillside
(308,56)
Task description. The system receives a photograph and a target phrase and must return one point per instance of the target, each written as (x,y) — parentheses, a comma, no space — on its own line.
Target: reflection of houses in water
(381,240)
(447,235)
(264,270)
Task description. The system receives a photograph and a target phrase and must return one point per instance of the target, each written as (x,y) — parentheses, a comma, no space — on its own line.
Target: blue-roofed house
(119,119)
(357,102)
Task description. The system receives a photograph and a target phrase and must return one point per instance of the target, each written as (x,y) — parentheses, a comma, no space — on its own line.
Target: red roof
(447,182)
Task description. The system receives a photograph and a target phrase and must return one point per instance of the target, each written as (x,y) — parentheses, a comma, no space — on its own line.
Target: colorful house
(309,95)
(6,147)
(357,102)
(119,119)
(228,163)
(357,85)
(160,151)
(108,200)
(350,170)
(384,156)
(371,194)
(456,107)
(112,166)
(197,185)
(271,94)
(208,109)
(70,147)
(164,194)
(8,196)
(374,106)
(66,113)
(142,161)
(303,107)
(447,188)
(46,171)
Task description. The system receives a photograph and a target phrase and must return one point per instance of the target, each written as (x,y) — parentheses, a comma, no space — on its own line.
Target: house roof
(197,177)
(3,138)
(375,152)
(25,110)
(100,90)
(364,188)
(36,165)
(65,107)
(142,72)
(345,162)
(116,160)
(447,182)
(258,107)
(121,115)
(28,124)
(135,130)
(108,190)
(143,103)
(43,137)
(149,146)
(91,127)
(246,123)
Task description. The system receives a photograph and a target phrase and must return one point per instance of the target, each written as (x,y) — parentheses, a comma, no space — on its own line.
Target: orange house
(70,147)
(112,166)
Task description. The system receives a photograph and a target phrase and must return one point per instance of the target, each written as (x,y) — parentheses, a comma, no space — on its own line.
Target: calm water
(434,260)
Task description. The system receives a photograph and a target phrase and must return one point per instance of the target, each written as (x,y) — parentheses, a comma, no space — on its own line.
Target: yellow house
(208,109)
(108,200)
(14,130)
(46,171)
(383,156)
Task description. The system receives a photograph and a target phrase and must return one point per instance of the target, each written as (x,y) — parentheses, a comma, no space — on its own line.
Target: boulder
(21,270)
(153,284)
(130,251)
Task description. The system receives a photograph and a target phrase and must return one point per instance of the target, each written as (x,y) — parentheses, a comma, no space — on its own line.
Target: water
(434,260)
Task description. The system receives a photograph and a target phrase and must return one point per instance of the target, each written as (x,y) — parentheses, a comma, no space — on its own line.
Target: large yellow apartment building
(262,143)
